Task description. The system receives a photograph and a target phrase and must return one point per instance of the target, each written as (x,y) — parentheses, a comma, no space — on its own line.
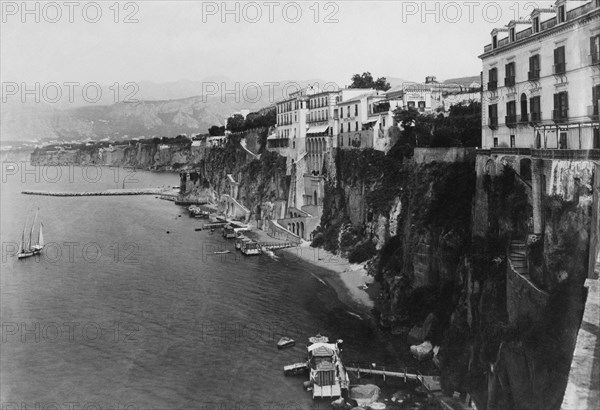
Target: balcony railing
(511,120)
(560,68)
(524,118)
(536,117)
(493,122)
(509,81)
(492,86)
(533,75)
(592,111)
(560,115)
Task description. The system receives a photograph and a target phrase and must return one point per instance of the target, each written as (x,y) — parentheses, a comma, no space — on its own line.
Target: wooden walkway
(214,225)
(275,245)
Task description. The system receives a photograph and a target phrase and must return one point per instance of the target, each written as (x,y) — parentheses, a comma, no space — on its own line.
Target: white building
(541,80)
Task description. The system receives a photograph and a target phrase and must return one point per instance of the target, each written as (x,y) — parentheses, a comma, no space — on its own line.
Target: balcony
(511,120)
(536,117)
(493,123)
(560,68)
(533,75)
(592,111)
(560,115)
(509,81)
(524,119)
(492,86)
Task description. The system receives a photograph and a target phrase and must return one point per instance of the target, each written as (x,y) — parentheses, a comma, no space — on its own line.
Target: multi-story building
(322,123)
(355,128)
(541,80)
(291,127)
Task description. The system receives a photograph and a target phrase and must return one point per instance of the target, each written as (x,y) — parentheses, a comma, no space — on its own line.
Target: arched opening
(315,198)
(302,229)
(524,116)
(490,168)
(538,140)
(525,169)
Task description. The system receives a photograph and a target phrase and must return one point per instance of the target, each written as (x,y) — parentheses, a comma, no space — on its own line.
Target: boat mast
(23,236)
(31,231)
(40,236)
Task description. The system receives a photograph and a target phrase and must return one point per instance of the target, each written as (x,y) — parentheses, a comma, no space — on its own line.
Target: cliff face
(149,155)
(260,184)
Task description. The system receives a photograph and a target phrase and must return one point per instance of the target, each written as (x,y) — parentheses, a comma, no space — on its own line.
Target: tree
(235,123)
(416,127)
(216,131)
(366,81)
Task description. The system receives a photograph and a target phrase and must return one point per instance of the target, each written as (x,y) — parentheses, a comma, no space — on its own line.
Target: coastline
(344,277)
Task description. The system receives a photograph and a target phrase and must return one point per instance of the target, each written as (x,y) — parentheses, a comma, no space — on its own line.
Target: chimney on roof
(430,79)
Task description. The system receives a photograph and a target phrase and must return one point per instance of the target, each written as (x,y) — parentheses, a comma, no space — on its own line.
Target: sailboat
(24,251)
(37,248)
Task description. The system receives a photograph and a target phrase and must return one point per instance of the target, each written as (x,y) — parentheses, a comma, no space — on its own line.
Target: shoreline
(344,277)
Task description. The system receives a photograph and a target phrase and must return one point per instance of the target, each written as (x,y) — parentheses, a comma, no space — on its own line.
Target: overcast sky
(174,40)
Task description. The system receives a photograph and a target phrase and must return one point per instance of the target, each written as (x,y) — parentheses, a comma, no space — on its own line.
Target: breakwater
(109,192)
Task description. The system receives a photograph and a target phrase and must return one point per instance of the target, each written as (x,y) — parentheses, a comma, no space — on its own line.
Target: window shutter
(556,101)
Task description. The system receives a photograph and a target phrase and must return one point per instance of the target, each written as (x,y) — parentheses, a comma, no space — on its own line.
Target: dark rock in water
(168,231)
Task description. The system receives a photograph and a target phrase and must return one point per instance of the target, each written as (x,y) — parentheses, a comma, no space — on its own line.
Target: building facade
(322,124)
(541,80)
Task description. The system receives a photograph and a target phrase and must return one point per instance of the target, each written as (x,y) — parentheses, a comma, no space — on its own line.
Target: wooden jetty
(214,225)
(381,371)
(276,245)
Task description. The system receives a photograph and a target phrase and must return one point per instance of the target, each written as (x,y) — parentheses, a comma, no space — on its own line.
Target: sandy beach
(346,278)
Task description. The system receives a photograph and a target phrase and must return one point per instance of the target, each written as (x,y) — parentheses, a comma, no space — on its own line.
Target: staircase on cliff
(517,253)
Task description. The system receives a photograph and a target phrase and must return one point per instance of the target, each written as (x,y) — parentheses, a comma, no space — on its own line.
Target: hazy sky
(174,40)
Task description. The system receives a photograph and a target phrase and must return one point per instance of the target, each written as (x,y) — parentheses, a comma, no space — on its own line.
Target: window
(536,24)
(493,79)
(595,100)
(348,113)
(563,141)
(561,107)
(493,115)
(383,121)
(494,41)
(511,114)
(356,126)
(560,67)
(509,80)
(534,68)
(512,141)
(595,49)
(512,34)
(596,138)
(561,14)
(349,127)
(495,142)
(411,104)
(356,110)
(421,106)
(535,109)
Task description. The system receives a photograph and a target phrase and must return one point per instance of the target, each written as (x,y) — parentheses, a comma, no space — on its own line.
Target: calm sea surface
(118,312)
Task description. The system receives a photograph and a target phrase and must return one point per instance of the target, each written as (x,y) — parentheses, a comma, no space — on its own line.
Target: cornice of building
(591,16)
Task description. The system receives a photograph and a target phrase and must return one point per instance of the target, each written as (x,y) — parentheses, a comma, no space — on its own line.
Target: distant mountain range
(165,109)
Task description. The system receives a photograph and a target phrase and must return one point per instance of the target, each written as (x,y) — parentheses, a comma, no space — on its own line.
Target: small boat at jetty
(220,252)
(198,229)
(285,342)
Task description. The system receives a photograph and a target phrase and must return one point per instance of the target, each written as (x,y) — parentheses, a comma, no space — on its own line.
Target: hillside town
(470,205)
